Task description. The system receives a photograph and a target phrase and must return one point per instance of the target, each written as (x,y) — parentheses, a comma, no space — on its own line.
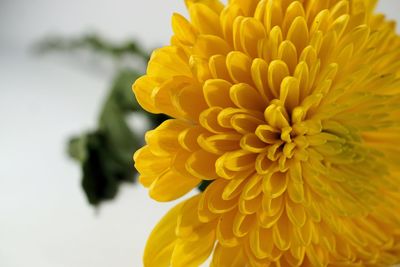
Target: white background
(45,220)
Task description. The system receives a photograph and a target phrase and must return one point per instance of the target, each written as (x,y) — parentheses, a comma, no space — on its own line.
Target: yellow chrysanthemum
(292,109)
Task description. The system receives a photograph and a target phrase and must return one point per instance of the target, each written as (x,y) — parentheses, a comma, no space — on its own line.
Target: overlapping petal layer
(292,109)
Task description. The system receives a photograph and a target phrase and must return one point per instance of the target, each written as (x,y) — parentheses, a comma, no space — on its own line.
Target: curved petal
(162,240)
(228,257)
(171,185)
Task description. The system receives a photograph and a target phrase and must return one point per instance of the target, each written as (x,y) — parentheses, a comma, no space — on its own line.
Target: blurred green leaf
(102,173)
(94,43)
(105,154)
(204,184)
(77,149)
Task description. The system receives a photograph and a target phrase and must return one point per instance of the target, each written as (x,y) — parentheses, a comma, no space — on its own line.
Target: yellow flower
(292,109)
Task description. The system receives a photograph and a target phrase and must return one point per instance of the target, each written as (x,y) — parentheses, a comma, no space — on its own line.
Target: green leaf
(102,173)
(76,148)
(105,153)
(204,184)
(93,43)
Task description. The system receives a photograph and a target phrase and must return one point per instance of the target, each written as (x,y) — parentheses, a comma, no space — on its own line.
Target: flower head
(292,109)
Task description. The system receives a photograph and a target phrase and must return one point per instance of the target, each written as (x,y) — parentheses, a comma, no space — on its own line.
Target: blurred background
(45,218)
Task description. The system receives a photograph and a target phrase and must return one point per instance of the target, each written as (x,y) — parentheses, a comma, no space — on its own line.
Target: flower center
(283,136)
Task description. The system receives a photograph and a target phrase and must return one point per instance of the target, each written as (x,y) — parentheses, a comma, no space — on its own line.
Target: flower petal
(196,238)
(216,93)
(239,66)
(204,19)
(277,71)
(228,257)
(162,240)
(201,164)
(246,97)
(208,45)
(183,29)
(171,185)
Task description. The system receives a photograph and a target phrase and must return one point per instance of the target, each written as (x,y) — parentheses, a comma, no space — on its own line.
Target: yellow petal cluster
(292,110)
